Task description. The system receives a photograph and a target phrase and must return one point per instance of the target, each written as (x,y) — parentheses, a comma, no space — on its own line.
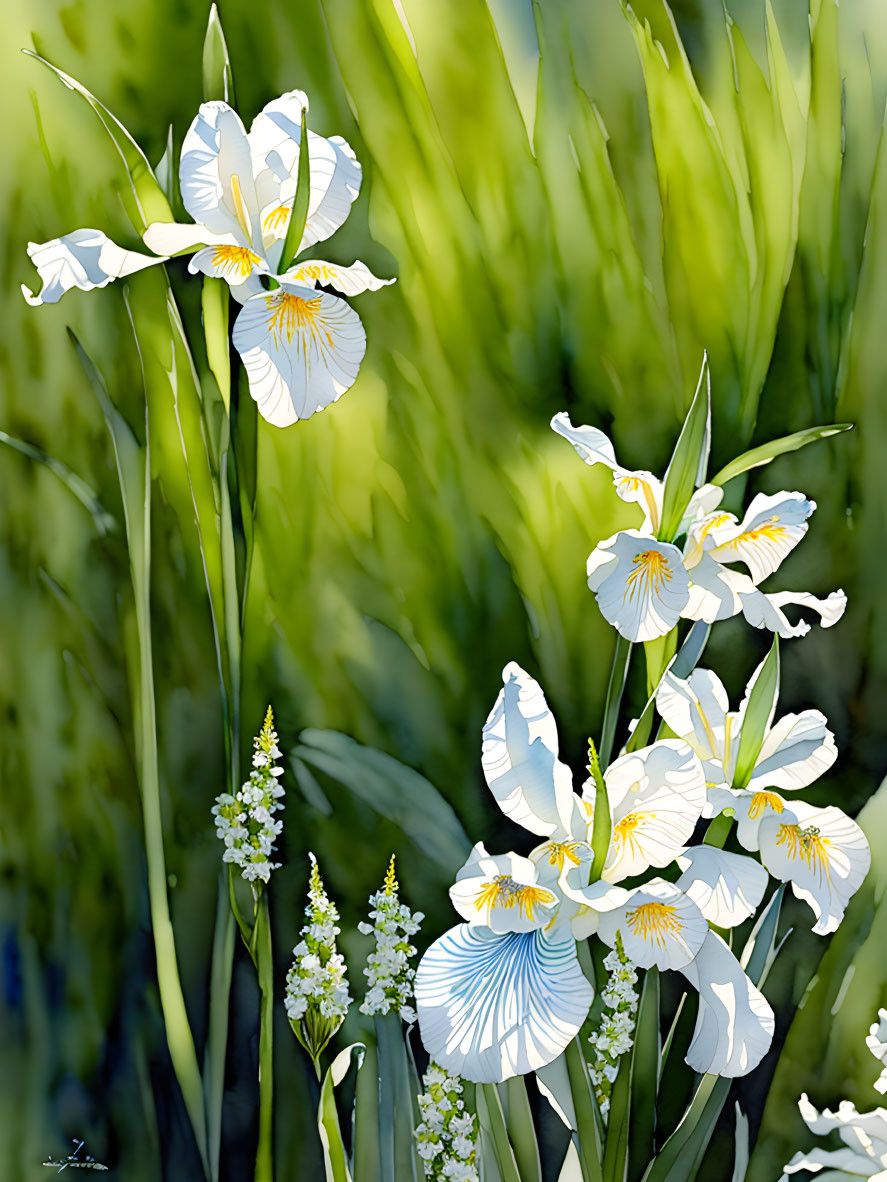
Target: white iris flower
(503,993)
(301,346)
(645,584)
(820,851)
(864,1134)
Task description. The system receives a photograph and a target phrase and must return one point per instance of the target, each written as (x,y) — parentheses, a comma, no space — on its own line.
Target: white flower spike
(245,822)
(644,584)
(389,970)
(301,346)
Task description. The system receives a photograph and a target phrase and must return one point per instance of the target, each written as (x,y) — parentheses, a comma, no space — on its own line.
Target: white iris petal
(640,584)
(734,1026)
(822,853)
(495,1006)
(301,349)
(85,259)
(520,757)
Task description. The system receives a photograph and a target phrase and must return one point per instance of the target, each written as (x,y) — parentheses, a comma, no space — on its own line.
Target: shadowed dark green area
(430,527)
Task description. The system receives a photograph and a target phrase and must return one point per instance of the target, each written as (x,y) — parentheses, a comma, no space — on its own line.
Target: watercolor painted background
(572,244)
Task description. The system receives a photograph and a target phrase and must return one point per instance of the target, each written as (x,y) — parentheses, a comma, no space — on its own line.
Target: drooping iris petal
(765,611)
(216,175)
(494,1006)
(171,238)
(301,349)
(772,527)
(822,853)
(727,888)
(697,710)
(519,757)
(335,173)
(502,892)
(734,1026)
(658,924)
(351,281)
(640,584)
(593,446)
(85,259)
(797,750)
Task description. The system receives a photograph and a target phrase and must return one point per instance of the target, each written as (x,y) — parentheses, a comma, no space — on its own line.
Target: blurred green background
(567,231)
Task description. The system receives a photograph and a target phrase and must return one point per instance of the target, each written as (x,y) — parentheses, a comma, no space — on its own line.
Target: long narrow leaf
(759,456)
(335,1157)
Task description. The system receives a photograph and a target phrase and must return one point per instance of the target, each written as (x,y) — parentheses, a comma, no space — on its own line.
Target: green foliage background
(569,245)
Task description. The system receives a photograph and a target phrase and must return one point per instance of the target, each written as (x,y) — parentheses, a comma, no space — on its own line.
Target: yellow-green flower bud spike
(391,883)
(601,831)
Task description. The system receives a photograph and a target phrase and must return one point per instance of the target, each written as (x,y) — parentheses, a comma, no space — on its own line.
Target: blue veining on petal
(492,1006)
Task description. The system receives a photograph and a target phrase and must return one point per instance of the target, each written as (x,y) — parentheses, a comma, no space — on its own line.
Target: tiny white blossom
(447,1135)
(389,971)
(317,997)
(245,822)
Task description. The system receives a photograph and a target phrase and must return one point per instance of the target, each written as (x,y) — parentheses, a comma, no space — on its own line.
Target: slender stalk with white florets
(245,822)
(447,1134)
(317,998)
(389,970)
(613,1037)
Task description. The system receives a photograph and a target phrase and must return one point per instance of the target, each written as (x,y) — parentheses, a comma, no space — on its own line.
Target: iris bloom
(502,994)
(644,584)
(301,346)
(864,1134)
(820,851)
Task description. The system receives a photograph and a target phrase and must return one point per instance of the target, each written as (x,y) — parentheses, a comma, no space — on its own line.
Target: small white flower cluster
(447,1136)
(614,1035)
(389,972)
(316,985)
(245,822)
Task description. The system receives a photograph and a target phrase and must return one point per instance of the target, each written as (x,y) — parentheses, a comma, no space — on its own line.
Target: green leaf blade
(759,456)
(689,459)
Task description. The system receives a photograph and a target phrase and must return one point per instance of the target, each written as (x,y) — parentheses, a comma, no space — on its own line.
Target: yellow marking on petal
(768,531)
(276,219)
(632,483)
(235,260)
(559,851)
(762,801)
(318,271)
(624,830)
(694,556)
(807,845)
(239,204)
(654,921)
(291,313)
(650,575)
(503,891)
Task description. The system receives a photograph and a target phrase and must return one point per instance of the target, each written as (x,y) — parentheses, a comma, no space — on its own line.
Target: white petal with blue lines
(495,1006)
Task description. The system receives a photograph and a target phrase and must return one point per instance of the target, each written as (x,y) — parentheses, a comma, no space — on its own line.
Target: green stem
(615,688)
(265,965)
(718,831)
(217,1036)
(172,1000)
